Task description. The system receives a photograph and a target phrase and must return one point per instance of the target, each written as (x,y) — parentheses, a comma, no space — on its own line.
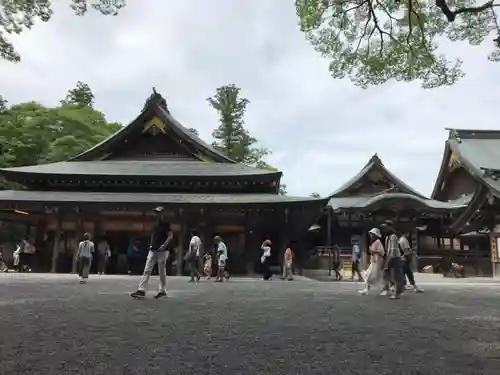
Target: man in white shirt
(193,256)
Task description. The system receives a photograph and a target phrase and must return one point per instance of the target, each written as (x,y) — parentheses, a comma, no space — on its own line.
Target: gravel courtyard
(52,325)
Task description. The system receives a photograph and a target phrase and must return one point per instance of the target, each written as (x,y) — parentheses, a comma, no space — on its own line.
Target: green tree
(315,195)
(373,41)
(31,133)
(231,137)
(283,189)
(19,15)
(3,104)
(81,95)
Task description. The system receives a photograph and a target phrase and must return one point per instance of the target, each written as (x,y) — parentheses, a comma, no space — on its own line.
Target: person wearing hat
(160,246)
(376,251)
(393,266)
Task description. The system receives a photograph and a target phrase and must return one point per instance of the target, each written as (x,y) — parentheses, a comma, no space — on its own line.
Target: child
(222,266)
(207,265)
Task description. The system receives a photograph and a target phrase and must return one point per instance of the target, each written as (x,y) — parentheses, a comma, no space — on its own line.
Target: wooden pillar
(247,245)
(329,239)
(494,253)
(79,235)
(57,244)
(180,244)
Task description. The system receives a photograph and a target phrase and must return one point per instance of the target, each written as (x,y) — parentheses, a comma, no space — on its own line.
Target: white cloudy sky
(322,131)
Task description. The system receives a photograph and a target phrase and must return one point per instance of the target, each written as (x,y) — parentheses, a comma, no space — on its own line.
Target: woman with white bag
(374,272)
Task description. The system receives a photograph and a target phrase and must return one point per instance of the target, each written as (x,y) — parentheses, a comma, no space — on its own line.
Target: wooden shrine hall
(369,198)
(470,171)
(111,189)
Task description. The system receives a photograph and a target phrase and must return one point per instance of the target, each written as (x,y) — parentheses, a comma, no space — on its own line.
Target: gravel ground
(52,325)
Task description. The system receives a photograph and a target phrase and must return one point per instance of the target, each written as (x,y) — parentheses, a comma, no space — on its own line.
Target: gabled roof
(341,200)
(478,151)
(155,106)
(375,163)
(204,160)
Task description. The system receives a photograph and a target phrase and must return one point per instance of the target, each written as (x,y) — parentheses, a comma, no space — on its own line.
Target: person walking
(355,260)
(376,252)
(193,256)
(160,246)
(221,247)
(393,266)
(104,253)
(221,265)
(84,257)
(288,264)
(409,256)
(265,258)
(336,262)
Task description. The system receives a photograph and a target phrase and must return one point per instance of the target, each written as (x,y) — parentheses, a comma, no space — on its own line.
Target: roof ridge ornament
(375,159)
(454,134)
(156,99)
(491,173)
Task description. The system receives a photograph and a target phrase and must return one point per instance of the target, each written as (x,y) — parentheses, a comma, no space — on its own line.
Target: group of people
(21,258)
(162,246)
(391,262)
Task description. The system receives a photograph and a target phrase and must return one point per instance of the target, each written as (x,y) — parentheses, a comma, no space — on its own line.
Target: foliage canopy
(373,41)
(19,15)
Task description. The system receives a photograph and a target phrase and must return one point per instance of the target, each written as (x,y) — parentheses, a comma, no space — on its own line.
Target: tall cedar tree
(81,95)
(373,41)
(231,137)
(19,15)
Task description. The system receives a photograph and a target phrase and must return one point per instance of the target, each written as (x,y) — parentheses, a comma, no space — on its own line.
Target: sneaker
(198,278)
(418,290)
(364,292)
(394,296)
(384,293)
(138,294)
(160,295)
(409,287)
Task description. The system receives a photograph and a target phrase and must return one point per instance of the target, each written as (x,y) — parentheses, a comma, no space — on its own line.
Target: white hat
(375,232)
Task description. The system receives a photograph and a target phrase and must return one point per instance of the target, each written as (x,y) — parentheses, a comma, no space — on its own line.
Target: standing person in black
(160,246)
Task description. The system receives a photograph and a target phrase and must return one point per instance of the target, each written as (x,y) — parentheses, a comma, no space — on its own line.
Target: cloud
(321,130)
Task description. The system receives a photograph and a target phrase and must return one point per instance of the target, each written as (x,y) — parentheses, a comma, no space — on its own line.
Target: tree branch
(452,14)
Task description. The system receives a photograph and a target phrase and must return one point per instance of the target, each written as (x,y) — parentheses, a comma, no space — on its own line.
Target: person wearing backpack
(84,257)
